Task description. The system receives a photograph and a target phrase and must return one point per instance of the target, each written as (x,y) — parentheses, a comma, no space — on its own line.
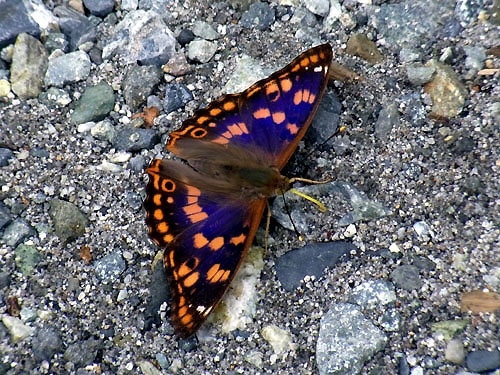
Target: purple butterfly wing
(270,117)
(205,236)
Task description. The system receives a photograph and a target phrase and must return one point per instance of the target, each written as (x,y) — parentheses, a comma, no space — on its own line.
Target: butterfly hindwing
(205,238)
(271,116)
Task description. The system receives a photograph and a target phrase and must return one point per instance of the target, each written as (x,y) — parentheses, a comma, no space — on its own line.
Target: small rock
(418,74)
(373,294)
(259,16)
(310,260)
(279,339)
(447,93)
(204,30)
(455,352)
(139,83)
(29,64)
(407,277)
(318,7)
(135,139)
(27,258)
(346,340)
(201,50)
(17,329)
(5,155)
(82,353)
(104,131)
(388,117)
(483,360)
(69,221)
(46,343)
(95,104)
(177,95)
(186,36)
(110,267)
(16,232)
(99,8)
(75,26)
(69,68)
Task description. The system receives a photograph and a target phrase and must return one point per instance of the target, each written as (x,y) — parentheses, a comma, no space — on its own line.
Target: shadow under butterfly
(205,214)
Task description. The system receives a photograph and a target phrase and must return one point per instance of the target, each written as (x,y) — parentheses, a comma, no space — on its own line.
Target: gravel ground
(89,303)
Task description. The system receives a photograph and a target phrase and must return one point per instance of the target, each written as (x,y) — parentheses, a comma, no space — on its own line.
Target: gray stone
(68,68)
(110,267)
(69,221)
(346,341)
(95,104)
(29,64)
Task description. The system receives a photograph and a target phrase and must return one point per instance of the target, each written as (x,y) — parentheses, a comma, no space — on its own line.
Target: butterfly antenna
(337,132)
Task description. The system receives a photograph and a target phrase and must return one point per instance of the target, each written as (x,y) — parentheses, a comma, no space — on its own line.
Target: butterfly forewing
(206,219)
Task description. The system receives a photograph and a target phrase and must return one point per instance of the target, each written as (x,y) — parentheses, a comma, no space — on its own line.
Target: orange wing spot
(199,240)
(262,113)
(187,319)
(273,91)
(278,117)
(212,124)
(191,190)
(191,279)
(297,98)
(238,240)
(314,58)
(200,120)
(225,276)
(162,227)
(182,301)
(170,259)
(253,91)
(154,167)
(312,98)
(199,133)
(186,268)
(191,199)
(213,271)
(304,62)
(157,199)
(229,106)
(156,181)
(216,243)
(158,214)
(178,134)
(198,217)
(243,127)
(192,209)
(170,200)
(183,310)
(305,95)
(168,238)
(286,84)
(295,68)
(292,128)
(168,186)
(235,129)
(215,112)
(220,140)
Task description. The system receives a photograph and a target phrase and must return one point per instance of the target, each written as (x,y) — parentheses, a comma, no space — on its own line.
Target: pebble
(407,277)
(95,104)
(483,360)
(177,95)
(17,329)
(319,7)
(5,155)
(139,83)
(46,343)
(29,64)
(141,36)
(201,50)
(27,258)
(75,26)
(69,68)
(204,30)
(447,92)
(279,339)
(82,353)
(310,260)
(69,221)
(418,74)
(387,119)
(373,294)
(16,232)
(99,8)
(259,16)
(455,352)
(110,267)
(133,139)
(346,340)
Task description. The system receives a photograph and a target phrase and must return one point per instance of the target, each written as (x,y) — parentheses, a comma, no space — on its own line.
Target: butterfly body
(205,215)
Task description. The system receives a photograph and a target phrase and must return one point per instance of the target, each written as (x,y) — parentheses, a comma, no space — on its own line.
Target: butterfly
(205,214)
